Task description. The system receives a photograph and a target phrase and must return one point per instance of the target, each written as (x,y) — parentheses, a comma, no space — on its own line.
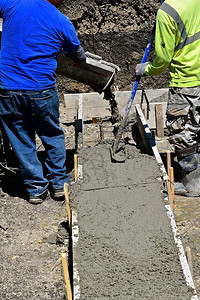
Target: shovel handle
(144,59)
(130,101)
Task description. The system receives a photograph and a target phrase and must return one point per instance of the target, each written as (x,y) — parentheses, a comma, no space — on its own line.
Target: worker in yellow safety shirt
(177,47)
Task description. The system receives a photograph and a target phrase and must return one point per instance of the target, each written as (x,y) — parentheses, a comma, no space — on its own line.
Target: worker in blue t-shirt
(33,34)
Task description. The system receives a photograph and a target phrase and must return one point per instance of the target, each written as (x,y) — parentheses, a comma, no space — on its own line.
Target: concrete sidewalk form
(126,248)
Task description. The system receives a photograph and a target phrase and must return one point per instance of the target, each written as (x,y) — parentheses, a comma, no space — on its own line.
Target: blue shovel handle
(130,101)
(144,59)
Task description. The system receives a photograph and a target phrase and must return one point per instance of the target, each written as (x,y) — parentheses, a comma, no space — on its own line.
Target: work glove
(140,69)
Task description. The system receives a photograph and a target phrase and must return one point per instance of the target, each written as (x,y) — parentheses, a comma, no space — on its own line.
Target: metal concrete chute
(96,73)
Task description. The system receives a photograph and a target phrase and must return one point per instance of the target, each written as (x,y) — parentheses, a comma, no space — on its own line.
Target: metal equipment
(96,73)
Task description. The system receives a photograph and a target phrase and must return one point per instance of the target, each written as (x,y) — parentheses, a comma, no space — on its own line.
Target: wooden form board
(159,120)
(95,106)
(144,130)
(153,120)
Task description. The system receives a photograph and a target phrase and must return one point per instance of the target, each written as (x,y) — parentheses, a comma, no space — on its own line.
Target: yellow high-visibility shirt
(177,42)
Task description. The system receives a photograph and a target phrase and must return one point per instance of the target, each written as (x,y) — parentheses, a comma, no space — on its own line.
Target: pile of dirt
(118,31)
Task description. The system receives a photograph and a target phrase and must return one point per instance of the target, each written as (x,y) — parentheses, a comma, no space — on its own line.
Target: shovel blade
(118,156)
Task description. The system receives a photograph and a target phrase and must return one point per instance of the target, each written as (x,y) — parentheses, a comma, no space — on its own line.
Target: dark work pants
(24,114)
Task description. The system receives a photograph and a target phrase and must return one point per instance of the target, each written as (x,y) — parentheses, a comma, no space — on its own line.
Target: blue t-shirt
(34,32)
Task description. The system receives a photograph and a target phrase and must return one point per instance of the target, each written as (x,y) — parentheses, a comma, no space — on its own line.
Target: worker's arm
(78,55)
(71,44)
(165,42)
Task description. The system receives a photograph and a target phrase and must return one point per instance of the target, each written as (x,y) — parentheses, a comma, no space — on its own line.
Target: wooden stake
(101,130)
(168,162)
(95,120)
(159,120)
(189,258)
(144,111)
(66,275)
(172,185)
(168,181)
(66,190)
(75,167)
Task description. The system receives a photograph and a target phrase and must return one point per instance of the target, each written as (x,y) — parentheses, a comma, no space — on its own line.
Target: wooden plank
(75,167)
(151,121)
(169,191)
(159,120)
(96,106)
(153,95)
(103,111)
(144,130)
(71,107)
(168,162)
(66,190)
(66,276)
(172,185)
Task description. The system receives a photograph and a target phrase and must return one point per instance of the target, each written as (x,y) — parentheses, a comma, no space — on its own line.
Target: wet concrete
(126,248)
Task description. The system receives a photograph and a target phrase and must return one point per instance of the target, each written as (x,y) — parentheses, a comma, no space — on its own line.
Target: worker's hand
(140,69)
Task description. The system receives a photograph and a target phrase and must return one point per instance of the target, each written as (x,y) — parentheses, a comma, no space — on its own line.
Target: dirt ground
(187,214)
(33,238)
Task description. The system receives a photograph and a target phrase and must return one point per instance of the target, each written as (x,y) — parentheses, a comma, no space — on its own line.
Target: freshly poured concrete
(126,249)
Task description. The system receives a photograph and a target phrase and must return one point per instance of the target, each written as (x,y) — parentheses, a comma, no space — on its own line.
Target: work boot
(38,199)
(190,164)
(190,185)
(180,189)
(58,194)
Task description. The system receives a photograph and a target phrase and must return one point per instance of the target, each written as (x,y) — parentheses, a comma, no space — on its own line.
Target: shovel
(118,154)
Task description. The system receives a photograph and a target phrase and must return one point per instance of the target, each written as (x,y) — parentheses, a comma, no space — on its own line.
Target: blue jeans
(24,113)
